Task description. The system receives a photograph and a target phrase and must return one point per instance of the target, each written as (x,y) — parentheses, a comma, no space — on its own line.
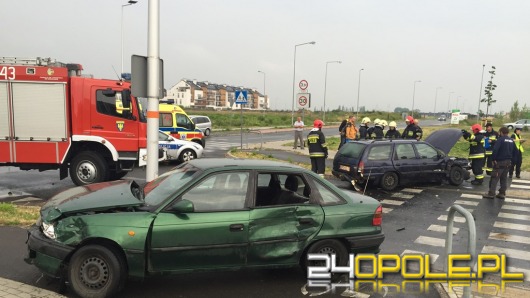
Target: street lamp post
(435,99)
(448,101)
(294,76)
(325,84)
(480,92)
(413,94)
(359,91)
(264,75)
(130,2)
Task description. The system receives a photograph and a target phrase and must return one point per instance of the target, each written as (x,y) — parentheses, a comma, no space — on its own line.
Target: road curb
(15,289)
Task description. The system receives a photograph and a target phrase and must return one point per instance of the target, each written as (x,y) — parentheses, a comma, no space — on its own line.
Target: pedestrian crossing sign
(241,97)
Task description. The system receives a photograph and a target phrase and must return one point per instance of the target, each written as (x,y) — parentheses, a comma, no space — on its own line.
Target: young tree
(515,111)
(488,91)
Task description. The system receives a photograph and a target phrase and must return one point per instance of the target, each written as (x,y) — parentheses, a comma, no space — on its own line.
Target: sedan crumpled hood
(93,197)
(444,139)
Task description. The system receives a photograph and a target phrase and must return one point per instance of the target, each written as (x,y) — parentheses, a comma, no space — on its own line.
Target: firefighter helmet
(366,120)
(384,123)
(377,121)
(392,124)
(409,119)
(318,123)
(476,128)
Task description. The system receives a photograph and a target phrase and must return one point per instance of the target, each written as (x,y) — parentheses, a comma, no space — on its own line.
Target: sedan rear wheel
(389,181)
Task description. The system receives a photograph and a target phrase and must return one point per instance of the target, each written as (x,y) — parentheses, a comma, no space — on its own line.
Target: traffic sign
(303,84)
(241,97)
(303,100)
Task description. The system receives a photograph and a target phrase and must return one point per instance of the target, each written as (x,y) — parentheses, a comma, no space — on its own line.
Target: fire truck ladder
(28,61)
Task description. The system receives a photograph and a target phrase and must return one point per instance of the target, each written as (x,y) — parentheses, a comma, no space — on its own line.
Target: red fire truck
(52,117)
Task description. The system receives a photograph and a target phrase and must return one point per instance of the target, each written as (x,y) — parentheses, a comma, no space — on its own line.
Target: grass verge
(21,216)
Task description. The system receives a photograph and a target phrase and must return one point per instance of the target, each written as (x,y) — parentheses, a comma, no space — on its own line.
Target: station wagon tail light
(377,220)
(361,168)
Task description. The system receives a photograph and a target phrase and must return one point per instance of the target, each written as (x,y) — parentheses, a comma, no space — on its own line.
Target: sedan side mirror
(183,206)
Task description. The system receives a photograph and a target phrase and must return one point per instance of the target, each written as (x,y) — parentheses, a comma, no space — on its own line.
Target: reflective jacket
(316,142)
(351,131)
(489,141)
(476,145)
(517,140)
(412,131)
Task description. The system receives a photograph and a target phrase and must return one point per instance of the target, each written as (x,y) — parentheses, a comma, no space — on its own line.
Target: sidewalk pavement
(15,289)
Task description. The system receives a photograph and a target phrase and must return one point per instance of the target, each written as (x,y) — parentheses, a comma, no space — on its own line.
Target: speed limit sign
(303,100)
(303,84)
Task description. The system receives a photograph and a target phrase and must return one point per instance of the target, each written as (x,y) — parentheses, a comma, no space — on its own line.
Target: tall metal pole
(435,98)
(131,2)
(325,85)
(294,77)
(359,91)
(264,92)
(153,92)
(413,94)
(480,92)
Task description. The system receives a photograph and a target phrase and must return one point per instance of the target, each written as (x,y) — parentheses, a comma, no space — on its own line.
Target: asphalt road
(413,222)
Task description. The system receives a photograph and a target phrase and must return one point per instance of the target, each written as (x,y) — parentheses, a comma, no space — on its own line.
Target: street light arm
(294,76)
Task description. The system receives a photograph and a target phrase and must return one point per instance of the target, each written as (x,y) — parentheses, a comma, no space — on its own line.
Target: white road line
(520,186)
(517,201)
(510,238)
(471,196)
(412,190)
(468,209)
(511,226)
(510,253)
(525,272)
(442,229)
(521,181)
(516,208)
(402,196)
(386,210)
(462,202)
(514,216)
(434,257)
(456,219)
(392,202)
(430,241)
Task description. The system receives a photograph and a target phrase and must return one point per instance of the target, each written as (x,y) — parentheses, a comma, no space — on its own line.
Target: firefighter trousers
(476,167)
(318,165)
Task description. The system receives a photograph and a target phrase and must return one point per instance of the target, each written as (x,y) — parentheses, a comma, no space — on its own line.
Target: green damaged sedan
(206,214)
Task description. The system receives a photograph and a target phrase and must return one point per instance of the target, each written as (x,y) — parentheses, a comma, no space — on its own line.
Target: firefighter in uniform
(363,129)
(518,160)
(318,150)
(490,137)
(411,131)
(377,133)
(476,152)
(392,132)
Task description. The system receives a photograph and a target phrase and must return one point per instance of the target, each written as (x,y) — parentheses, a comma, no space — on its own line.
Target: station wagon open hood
(444,139)
(93,197)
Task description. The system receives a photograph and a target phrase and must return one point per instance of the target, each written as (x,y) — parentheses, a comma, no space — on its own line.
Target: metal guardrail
(472,234)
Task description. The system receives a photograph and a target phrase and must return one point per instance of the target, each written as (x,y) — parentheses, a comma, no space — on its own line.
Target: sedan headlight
(48,230)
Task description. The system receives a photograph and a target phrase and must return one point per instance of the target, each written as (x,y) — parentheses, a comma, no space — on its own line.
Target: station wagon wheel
(456,175)
(96,271)
(207,132)
(327,246)
(187,155)
(389,181)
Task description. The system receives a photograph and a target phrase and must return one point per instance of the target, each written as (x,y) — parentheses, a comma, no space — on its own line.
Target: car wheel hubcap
(187,156)
(94,273)
(86,171)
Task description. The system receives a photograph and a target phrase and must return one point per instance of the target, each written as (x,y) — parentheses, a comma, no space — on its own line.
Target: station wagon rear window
(352,150)
(380,152)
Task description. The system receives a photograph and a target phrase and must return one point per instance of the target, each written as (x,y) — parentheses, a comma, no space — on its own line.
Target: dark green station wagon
(206,214)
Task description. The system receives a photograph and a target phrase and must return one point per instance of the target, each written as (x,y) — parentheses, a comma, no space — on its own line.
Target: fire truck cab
(52,117)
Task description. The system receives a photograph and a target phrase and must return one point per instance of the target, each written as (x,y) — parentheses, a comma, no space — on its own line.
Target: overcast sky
(442,43)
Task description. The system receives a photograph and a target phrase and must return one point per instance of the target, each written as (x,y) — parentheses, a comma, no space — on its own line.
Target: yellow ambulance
(174,121)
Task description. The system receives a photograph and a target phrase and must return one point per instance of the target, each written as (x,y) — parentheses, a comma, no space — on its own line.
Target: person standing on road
(419,134)
(299,132)
(411,131)
(490,137)
(476,152)
(503,154)
(378,130)
(363,129)
(518,160)
(370,131)
(342,131)
(392,132)
(350,130)
(318,150)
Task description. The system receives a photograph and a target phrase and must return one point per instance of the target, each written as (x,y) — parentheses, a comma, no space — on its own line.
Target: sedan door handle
(237,227)
(305,221)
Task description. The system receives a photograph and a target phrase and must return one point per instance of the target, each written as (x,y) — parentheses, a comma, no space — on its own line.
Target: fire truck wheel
(88,167)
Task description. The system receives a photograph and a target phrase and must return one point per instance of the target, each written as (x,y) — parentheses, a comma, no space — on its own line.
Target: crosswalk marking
(456,219)
(386,210)
(402,196)
(511,238)
(520,186)
(521,181)
(433,257)
(430,241)
(517,208)
(471,196)
(510,253)
(462,202)
(442,229)
(392,202)
(517,201)
(514,216)
(525,272)
(511,226)
(412,190)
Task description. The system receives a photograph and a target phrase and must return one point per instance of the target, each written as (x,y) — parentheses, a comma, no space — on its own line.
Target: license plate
(344,168)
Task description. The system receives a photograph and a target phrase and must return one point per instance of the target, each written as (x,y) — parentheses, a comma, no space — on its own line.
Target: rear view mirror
(183,206)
